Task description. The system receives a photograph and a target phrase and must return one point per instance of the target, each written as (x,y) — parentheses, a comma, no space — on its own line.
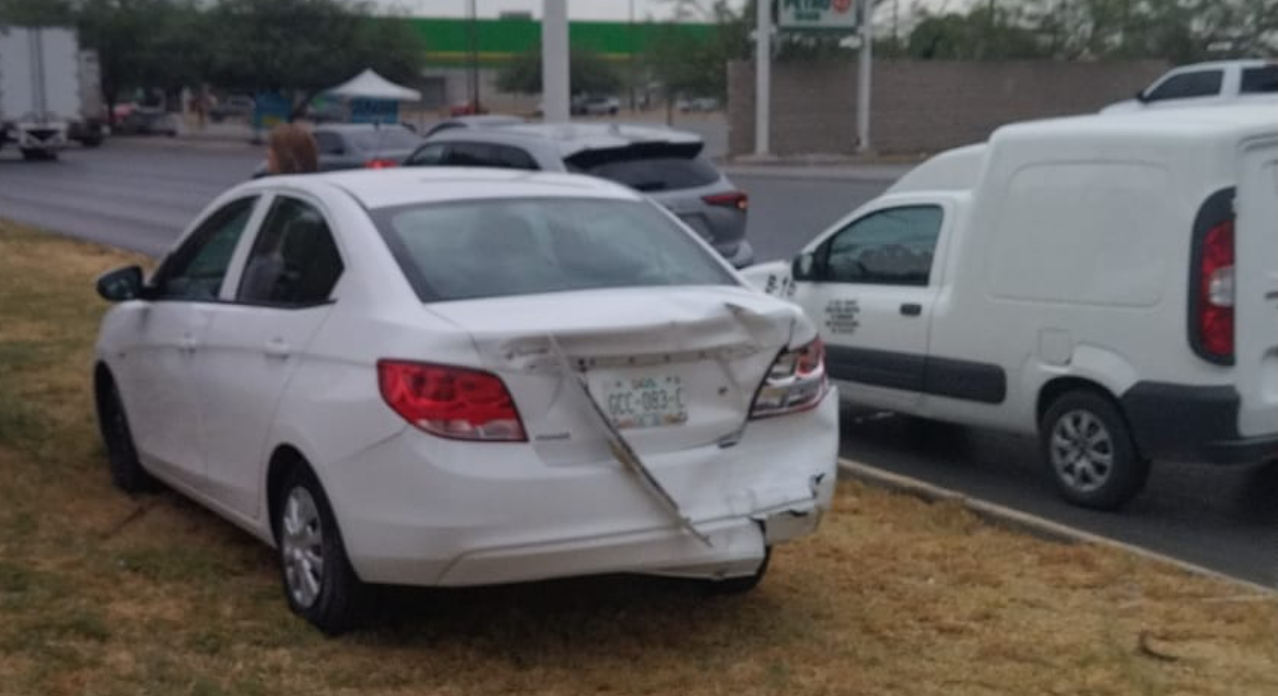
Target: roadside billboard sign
(840,15)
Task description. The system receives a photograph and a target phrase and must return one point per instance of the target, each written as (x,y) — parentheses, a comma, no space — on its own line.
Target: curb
(1023,522)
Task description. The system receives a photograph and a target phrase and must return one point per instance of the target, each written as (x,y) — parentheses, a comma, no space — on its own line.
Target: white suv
(1219,83)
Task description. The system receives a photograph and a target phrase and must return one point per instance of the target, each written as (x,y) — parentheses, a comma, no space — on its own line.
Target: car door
(255,340)
(870,291)
(157,371)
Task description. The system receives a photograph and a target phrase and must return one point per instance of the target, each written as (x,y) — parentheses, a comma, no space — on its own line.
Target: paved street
(138,195)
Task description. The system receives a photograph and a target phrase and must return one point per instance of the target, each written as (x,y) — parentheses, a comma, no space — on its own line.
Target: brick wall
(921,106)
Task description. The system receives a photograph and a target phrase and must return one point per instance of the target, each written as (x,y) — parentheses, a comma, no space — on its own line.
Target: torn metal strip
(623,452)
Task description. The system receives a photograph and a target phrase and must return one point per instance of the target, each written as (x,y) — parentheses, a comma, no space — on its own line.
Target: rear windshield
(655,173)
(390,138)
(494,248)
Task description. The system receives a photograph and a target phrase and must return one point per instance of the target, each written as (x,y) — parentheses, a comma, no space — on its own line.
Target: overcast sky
(591,9)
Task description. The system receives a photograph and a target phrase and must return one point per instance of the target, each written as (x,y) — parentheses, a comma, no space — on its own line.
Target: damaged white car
(463,377)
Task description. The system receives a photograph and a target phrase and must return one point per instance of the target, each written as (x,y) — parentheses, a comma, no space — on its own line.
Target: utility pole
(863,79)
(633,48)
(555,87)
(473,13)
(762,77)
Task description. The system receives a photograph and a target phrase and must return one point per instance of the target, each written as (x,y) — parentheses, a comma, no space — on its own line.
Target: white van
(1108,283)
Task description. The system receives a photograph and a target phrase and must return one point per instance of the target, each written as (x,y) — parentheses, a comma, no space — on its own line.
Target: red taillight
(451,402)
(736,199)
(795,382)
(380,163)
(1215,301)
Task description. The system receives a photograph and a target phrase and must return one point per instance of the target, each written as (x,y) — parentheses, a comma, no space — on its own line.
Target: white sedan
(460,377)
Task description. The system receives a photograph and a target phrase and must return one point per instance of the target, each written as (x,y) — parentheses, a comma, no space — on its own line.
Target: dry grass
(101,594)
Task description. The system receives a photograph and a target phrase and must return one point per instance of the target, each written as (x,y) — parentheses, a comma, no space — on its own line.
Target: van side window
(1260,80)
(1200,83)
(889,247)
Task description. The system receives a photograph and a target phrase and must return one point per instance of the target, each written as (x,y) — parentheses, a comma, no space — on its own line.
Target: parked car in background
(326,111)
(481,121)
(466,377)
(1108,284)
(596,105)
(1219,83)
(698,104)
(235,106)
(149,120)
(466,108)
(360,146)
(662,163)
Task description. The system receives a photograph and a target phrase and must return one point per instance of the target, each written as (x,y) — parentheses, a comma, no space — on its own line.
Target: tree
(299,47)
(36,12)
(588,73)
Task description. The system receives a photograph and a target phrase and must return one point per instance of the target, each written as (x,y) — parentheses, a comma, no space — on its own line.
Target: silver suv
(664,164)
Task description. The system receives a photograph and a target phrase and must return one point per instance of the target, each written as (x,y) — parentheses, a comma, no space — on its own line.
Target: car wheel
(38,155)
(127,473)
(743,584)
(319,582)
(1090,453)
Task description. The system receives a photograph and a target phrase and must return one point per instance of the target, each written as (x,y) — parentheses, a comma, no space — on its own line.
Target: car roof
(569,139)
(401,186)
(1241,63)
(1221,120)
(355,127)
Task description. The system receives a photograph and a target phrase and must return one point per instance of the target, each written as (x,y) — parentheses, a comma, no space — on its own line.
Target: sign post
(842,16)
(555,89)
(762,78)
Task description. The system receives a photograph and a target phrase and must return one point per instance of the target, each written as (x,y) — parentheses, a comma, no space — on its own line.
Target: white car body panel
(419,509)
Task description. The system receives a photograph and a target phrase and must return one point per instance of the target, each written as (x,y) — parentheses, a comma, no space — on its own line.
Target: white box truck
(44,79)
(1106,283)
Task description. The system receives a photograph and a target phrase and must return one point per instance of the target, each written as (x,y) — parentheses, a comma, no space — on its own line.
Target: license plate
(645,402)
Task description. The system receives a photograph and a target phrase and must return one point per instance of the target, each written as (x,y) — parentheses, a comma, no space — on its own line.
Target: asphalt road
(139,195)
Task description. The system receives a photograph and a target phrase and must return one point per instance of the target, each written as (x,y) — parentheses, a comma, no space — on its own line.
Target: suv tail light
(1212,282)
(736,199)
(451,402)
(380,163)
(795,382)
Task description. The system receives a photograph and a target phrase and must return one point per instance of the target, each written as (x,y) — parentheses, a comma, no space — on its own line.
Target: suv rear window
(655,173)
(1260,80)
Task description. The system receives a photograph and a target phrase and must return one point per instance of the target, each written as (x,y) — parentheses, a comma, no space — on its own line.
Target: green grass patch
(105,594)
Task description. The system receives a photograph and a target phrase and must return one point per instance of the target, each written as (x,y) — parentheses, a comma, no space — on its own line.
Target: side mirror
(121,285)
(1142,97)
(804,267)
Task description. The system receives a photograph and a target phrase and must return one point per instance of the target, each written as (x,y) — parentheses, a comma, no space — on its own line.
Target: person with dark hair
(291,149)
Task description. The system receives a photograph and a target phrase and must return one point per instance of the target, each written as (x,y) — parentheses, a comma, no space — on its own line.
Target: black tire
(743,584)
(126,469)
(1089,452)
(31,154)
(333,601)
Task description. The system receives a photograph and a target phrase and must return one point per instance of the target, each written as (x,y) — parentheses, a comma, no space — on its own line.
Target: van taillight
(1216,292)
(452,402)
(1212,285)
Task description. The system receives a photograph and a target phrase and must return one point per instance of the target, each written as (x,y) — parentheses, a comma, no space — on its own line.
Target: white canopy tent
(370,85)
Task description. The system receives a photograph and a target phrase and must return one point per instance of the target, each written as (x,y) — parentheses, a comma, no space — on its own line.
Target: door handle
(277,348)
(911,309)
(188,344)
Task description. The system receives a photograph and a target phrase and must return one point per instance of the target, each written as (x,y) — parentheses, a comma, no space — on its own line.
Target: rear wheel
(34,154)
(319,582)
(122,456)
(1090,453)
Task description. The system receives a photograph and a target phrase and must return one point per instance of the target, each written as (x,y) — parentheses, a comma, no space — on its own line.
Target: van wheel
(319,582)
(1090,453)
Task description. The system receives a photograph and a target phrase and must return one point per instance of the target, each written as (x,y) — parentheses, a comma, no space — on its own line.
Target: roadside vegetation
(104,594)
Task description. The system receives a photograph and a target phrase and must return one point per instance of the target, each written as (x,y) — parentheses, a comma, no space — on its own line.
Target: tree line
(295,47)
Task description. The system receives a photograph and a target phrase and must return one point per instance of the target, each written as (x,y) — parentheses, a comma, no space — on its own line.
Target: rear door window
(294,261)
(1260,80)
(1200,83)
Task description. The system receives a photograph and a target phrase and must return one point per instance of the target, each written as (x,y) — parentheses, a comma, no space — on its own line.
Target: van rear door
(1256,292)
